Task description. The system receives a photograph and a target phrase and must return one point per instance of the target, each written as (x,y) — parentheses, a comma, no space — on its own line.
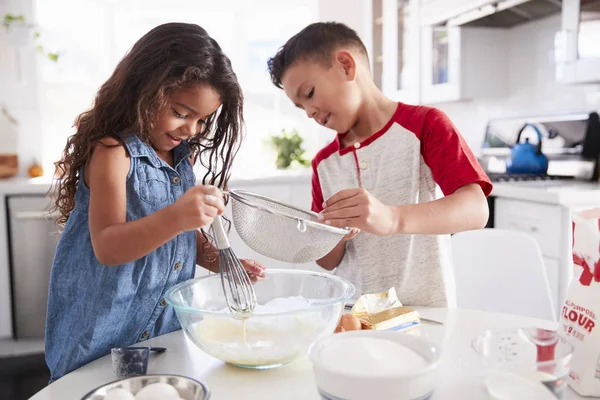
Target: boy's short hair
(316,42)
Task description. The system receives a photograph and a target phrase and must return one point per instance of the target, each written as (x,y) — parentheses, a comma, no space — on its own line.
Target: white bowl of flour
(374,364)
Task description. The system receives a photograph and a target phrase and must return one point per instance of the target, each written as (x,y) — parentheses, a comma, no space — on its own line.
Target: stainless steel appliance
(33,235)
(563,143)
(563,139)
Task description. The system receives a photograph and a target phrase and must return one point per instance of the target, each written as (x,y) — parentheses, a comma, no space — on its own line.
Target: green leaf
(9,19)
(53,56)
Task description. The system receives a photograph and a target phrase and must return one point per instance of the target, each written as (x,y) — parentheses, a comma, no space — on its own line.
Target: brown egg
(348,322)
(365,325)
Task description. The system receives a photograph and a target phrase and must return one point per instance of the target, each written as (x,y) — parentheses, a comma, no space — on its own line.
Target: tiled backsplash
(533,87)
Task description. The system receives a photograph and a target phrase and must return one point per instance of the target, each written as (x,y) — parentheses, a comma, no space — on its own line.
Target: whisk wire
(237,286)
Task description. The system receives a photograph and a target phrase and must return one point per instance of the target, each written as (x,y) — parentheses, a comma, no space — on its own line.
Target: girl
(127,197)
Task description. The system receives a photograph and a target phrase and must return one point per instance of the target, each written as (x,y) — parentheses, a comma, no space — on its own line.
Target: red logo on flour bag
(583,317)
(582,305)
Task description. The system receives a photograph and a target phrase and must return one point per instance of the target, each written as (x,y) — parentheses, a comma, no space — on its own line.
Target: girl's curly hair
(169,57)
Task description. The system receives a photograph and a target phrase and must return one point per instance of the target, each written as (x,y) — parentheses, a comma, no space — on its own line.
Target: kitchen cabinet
(550,226)
(28,237)
(458,63)
(577,50)
(435,12)
(416,60)
(33,236)
(390,32)
(396,41)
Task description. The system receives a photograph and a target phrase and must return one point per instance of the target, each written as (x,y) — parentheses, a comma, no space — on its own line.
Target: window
(440,56)
(93,35)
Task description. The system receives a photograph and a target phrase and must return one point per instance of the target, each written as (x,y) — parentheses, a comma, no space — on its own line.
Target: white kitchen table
(460,374)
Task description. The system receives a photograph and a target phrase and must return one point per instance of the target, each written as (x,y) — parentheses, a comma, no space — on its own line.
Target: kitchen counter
(41,185)
(564,193)
(21,185)
(461,371)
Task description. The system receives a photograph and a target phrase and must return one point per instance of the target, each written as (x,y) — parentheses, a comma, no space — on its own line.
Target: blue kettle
(527,158)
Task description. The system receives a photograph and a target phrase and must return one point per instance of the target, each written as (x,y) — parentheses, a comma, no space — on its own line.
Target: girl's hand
(198,207)
(353,233)
(255,270)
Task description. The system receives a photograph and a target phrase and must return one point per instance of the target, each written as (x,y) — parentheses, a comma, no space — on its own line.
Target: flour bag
(581,310)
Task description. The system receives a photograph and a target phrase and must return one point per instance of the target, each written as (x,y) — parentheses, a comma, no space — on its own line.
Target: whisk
(237,286)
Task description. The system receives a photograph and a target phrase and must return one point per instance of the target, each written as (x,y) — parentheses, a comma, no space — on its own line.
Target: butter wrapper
(374,303)
(384,311)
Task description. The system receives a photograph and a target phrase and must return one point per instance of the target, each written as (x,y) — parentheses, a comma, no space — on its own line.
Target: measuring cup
(524,363)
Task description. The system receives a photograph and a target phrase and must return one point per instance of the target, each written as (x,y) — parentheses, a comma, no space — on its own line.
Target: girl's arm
(207,256)
(116,241)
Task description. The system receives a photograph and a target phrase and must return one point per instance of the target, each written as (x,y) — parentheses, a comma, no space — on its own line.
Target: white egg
(119,394)
(157,391)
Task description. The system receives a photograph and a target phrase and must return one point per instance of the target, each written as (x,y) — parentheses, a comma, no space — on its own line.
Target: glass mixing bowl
(294,309)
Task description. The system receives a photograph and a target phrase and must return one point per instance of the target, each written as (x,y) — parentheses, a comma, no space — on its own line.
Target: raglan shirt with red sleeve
(418,151)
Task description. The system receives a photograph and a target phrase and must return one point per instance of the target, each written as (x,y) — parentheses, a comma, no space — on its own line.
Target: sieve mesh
(280,231)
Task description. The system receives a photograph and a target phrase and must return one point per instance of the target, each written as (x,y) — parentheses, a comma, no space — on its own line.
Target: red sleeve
(450,159)
(317,194)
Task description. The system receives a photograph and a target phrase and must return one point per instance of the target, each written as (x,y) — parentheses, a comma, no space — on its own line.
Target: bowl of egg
(294,308)
(374,364)
(151,387)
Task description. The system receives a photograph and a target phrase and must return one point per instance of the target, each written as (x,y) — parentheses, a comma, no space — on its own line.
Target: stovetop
(500,177)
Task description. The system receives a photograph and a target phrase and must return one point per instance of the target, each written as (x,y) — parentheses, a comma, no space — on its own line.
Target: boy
(379,175)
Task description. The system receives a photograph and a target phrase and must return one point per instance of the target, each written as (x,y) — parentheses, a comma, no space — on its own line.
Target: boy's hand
(357,208)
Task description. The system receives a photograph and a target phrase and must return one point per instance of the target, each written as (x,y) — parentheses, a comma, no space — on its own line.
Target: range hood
(507,13)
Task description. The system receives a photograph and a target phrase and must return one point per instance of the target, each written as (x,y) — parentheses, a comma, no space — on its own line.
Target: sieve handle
(220,235)
(301,225)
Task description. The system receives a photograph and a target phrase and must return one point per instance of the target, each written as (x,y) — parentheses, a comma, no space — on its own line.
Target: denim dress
(93,308)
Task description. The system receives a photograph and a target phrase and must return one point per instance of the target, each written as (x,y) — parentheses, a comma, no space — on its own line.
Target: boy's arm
(465,209)
(454,168)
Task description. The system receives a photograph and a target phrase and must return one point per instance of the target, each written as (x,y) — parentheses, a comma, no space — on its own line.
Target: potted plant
(289,149)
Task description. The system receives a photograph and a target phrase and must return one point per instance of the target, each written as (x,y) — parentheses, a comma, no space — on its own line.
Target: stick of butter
(399,318)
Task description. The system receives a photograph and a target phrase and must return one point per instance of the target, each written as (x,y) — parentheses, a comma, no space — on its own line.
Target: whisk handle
(220,235)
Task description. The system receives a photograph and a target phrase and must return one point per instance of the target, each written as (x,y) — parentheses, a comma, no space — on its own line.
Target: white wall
(532,85)
(19,91)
